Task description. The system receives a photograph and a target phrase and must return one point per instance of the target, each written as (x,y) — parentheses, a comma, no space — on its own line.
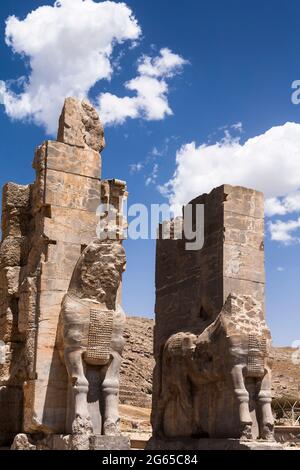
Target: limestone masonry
(46,227)
(211,343)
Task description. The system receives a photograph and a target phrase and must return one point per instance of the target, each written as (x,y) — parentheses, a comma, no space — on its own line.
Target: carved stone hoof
(247,433)
(111,429)
(82,430)
(267,433)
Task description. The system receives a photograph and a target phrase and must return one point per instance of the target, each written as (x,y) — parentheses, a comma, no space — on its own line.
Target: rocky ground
(286,373)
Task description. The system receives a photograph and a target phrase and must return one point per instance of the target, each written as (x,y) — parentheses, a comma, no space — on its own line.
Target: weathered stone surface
(72,191)
(138,363)
(50,264)
(69,442)
(51,442)
(46,226)
(110,443)
(15,210)
(69,159)
(90,340)
(211,342)
(211,444)
(79,125)
(21,442)
(288,435)
(75,227)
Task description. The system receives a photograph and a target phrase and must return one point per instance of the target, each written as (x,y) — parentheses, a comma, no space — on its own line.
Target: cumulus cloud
(283,205)
(286,232)
(167,64)
(69,48)
(151,91)
(269,162)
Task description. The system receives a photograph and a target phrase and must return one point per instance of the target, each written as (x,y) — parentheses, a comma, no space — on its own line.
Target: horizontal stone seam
(86,147)
(173,284)
(243,245)
(42,291)
(72,173)
(243,279)
(243,215)
(71,208)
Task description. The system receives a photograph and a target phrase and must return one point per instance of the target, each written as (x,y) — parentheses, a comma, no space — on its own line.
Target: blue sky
(236,61)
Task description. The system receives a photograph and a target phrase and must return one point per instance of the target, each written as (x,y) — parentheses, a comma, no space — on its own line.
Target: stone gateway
(212,377)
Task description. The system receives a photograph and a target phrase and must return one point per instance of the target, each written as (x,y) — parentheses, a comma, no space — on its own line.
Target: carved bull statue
(234,349)
(90,339)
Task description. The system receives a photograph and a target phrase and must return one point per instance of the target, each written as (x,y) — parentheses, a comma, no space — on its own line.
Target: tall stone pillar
(192,286)
(45,228)
(210,317)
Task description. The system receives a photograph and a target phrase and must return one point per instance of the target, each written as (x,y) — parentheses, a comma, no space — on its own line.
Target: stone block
(16,195)
(79,125)
(72,191)
(71,226)
(110,443)
(74,160)
(210,444)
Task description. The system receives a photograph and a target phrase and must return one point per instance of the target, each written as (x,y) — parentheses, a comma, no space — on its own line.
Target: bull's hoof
(82,430)
(267,433)
(247,433)
(111,429)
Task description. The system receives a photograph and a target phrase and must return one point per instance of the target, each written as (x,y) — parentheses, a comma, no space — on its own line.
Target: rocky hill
(138,363)
(286,374)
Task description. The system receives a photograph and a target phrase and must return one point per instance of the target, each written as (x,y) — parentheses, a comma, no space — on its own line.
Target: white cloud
(151,99)
(136,167)
(69,47)
(156,153)
(116,110)
(238,127)
(153,176)
(167,64)
(280,269)
(162,150)
(284,205)
(269,162)
(285,232)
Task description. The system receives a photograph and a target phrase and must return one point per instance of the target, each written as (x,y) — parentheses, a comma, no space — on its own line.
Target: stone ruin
(62,323)
(60,294)
(212,377)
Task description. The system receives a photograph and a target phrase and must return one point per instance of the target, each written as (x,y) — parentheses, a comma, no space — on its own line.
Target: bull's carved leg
(243,400)
(79,383)
(110,394)
(82,427)
(265,400)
